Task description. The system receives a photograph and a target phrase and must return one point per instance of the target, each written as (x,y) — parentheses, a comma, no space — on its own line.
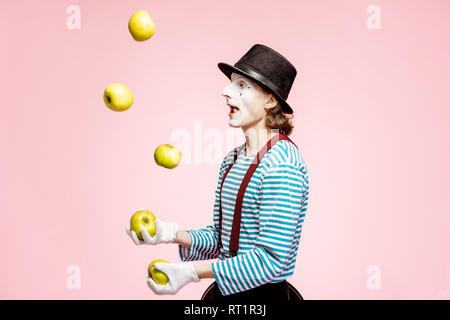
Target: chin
(234,124)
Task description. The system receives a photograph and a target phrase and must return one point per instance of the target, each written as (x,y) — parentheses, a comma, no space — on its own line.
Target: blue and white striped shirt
(273,211)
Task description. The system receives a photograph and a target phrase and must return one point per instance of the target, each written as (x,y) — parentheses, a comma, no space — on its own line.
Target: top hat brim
(229,69)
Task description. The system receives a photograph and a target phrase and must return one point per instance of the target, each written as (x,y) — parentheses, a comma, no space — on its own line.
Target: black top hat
(269,69)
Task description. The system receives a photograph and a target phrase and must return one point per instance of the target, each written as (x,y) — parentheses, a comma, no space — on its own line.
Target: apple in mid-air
(141,26)
(118,97)
(158,276)
(143,219)
(167,156)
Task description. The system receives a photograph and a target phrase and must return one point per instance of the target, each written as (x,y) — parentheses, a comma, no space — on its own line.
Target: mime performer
(261,196)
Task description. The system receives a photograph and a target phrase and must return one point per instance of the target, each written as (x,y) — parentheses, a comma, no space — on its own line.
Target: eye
(242,84)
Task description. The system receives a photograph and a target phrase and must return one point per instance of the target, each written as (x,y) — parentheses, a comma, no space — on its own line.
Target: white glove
(179,275)
(165,233)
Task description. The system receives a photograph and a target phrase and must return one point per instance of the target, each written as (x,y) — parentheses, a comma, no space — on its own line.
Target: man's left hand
(179,275)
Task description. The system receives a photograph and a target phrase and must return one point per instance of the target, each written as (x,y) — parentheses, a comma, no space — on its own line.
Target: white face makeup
(248,101)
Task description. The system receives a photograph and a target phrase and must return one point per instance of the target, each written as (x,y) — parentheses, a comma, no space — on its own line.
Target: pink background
(372,122)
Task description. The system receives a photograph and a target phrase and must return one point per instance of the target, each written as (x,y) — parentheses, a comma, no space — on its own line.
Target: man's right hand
(165,233)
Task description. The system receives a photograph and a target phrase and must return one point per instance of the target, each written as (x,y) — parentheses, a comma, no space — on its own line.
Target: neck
(255,139)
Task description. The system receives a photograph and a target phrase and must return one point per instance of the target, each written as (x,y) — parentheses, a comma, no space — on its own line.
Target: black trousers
(278,291)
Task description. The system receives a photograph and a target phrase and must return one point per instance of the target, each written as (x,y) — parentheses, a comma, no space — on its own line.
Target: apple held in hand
(143,219)
(167,156)
(141,26)
(117,97)
(157,276)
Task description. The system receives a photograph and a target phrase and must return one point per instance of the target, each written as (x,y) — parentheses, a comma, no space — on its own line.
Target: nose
(226,92)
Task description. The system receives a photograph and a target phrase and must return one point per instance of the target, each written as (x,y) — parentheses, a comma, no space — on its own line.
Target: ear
(271,101)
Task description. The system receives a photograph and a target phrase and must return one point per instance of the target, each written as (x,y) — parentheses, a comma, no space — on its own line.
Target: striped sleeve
(203,245)
(204,242)
(284,195)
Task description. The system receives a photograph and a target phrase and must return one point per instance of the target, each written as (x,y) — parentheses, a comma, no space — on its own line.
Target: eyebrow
(240,79)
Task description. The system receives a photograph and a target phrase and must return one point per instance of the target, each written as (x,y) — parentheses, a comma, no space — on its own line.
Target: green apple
(158,276)
(143,219)
(141,26)
(167,156)
(118,97)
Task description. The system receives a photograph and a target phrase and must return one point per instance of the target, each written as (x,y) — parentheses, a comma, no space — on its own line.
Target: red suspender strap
(234,239)
(220,196)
